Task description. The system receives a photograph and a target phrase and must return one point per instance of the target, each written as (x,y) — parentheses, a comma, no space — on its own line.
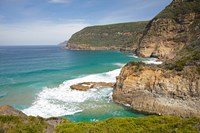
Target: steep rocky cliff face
(159,91)
(172,88)
(124,36)
(171,30)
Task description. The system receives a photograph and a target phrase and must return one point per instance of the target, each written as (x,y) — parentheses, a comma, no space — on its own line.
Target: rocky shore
(172,88)
(90,85)
(154,90)
(72,46)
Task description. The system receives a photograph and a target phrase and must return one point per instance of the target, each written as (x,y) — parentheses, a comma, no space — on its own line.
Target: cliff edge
(159,91)
(172,88)
(172,29)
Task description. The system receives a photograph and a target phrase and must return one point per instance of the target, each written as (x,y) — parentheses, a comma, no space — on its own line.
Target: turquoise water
(36,80)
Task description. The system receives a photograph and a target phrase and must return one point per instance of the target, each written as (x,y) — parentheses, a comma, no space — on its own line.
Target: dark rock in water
(89,85)
(8,110)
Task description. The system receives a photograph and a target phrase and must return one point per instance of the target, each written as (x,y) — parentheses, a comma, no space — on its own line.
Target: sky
(49,22)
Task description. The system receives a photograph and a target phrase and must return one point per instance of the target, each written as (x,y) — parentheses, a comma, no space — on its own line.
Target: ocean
(37,79)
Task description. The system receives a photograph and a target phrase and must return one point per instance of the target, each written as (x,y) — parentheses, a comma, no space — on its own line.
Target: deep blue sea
(37,79)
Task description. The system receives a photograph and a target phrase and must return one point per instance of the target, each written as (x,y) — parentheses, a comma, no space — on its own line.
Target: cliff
(155,90)
(172,88)
(172,29)
(122,36)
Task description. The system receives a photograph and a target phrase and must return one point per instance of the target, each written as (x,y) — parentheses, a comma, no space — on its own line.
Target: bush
(133,125)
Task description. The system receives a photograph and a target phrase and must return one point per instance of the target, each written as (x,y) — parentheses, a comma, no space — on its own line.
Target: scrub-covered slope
(108,37)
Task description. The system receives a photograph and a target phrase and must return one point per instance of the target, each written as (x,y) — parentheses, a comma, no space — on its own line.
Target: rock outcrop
(170,30)
(172,88)
(123,36)
(89,85)
(158,91)
(9,110)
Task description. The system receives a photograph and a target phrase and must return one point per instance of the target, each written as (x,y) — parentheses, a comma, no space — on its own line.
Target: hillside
(171,30)
(105,37)
(172,88)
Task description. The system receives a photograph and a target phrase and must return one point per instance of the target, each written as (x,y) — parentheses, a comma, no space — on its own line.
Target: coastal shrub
(22,124)
(17,124)
(134,125)
(176,9)
(136,66)
(116,35)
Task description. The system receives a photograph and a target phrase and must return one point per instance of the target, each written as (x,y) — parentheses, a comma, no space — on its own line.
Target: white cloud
(38,33)
(59,1)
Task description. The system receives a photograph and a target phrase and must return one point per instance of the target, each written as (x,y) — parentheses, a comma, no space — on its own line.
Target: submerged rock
(89,85)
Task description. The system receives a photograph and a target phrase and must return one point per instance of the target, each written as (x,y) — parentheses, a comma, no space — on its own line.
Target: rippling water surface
(36,80)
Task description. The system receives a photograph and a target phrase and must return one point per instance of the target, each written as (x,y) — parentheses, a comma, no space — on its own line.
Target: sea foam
(148,60)
(119,64)
(152,61)
(61,100)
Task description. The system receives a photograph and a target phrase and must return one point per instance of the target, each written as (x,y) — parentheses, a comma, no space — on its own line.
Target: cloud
(59,1)
(38,33)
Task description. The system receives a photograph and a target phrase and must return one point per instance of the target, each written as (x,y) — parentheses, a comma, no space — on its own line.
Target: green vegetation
(177,8)
(136,66)
(188,56)
(116,35)
(165,124)
(17,124)
(154,124)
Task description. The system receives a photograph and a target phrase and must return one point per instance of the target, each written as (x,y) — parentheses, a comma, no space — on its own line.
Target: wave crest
(61,100)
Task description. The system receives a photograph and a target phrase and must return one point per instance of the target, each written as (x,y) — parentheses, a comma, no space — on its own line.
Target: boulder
(89,85)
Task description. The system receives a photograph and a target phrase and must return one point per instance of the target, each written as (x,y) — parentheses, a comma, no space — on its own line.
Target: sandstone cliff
(159,91)
(171,30)
(124,36)
(172,88)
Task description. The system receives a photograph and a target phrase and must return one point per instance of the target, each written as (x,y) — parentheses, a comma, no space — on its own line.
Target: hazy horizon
(50,22)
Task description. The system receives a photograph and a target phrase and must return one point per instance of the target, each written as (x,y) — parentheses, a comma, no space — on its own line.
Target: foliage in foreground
(165,124)
(155,124)
(22,124)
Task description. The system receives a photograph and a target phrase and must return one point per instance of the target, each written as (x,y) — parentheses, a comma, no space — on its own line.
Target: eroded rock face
(9,110)
(154,90)
(169,31)
(89,85)
(162,38)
